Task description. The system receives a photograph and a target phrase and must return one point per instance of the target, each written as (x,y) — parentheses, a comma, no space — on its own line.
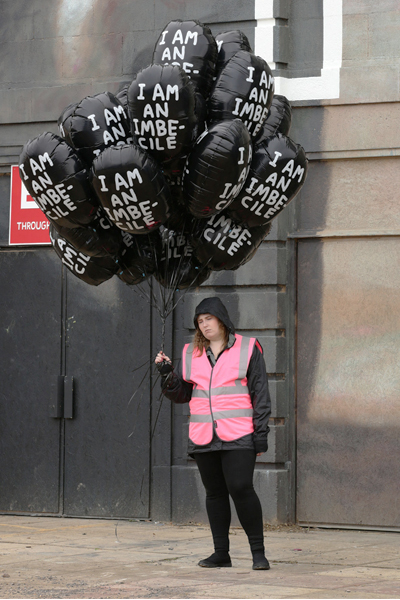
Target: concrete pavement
(46,557)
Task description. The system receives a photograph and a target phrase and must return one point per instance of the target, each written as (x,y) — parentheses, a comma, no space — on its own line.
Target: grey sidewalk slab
(45,557)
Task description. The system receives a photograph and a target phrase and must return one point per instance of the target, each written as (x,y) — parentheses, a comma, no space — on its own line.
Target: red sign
(28,224)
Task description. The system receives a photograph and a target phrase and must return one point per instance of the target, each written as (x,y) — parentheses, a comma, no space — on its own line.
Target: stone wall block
(355,38)
(48,103)
(384,30)
(268,265)
(60,19)
(272,487)
(279,399)
(32,61)
(137,52)
(351,7)
(281,50)
(250,309)
(16,23)
(344,128)
(207,11)
(351,195)
(281,9)
(188,496)
(277,445)
(91,57)
(370,84)
(274,352)
(124,16)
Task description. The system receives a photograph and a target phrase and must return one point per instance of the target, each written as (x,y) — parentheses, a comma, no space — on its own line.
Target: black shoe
(260,563)
(216,560)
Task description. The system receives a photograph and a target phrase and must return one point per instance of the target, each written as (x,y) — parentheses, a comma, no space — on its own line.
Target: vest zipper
(209,399)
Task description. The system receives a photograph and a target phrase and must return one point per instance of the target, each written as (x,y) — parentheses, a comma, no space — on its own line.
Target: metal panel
(348,388)
(107,442)
(30,349)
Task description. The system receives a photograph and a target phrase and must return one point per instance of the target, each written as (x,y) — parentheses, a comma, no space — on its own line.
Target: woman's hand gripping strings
(163,363)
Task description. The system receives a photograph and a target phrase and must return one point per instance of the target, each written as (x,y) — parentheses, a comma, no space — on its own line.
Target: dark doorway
(94,459)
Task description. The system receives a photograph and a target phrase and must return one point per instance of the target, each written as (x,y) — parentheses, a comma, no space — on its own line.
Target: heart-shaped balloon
(217,168)
(131,188)
(228,43)
(278,171)
(162,109)
(138,258)
(122,96)
(177,268)
(222,244)
(95,123)
(278,120)
(191,45)
(243,89)
(100,238)
(58,181)
(91,270)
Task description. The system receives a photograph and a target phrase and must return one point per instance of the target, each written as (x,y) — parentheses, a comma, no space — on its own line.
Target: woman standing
(224,379)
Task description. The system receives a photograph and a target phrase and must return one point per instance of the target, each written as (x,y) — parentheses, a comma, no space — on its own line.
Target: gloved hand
(163,364)
(165,367)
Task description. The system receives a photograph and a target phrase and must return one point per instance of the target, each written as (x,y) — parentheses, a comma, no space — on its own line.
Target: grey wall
(55,52)
(347,231)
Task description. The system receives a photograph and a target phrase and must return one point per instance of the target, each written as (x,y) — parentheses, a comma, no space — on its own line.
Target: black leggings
(230,472)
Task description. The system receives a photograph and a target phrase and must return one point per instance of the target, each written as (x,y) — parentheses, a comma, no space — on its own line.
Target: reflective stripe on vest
(220,397)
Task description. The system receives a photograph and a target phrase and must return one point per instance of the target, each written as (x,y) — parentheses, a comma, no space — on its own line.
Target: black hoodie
(214,306)
(180,391)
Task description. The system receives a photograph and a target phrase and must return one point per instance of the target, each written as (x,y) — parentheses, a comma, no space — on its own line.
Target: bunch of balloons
(178,174)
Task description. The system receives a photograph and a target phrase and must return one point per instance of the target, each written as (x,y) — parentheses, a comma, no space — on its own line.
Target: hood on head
(215,307)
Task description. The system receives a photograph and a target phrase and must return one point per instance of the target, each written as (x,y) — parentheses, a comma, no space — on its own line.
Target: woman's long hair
(200,342)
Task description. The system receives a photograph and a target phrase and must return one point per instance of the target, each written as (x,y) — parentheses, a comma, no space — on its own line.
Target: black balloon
(278,120)
(138,258)
(217,168)
(222,244)
(228,43)
(278,171)
(100,238)
(177,268)
(162,109)
(200,199)
(95,123)
(179,215)
(131,188)
(66,113)
(122,96)
(180,218)
(91,270)
(201,112)
(243,89)
(191,45)
(58,181)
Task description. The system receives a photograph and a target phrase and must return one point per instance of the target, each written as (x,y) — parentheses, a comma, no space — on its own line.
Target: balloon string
(189,288)
(142,381)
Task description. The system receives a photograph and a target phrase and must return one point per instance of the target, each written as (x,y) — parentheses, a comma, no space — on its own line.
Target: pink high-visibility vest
(220,396)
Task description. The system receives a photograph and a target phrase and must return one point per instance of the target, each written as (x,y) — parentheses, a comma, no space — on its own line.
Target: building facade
(321,294)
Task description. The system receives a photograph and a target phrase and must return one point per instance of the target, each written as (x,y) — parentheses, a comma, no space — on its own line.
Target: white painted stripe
(305,88)
(264,32)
